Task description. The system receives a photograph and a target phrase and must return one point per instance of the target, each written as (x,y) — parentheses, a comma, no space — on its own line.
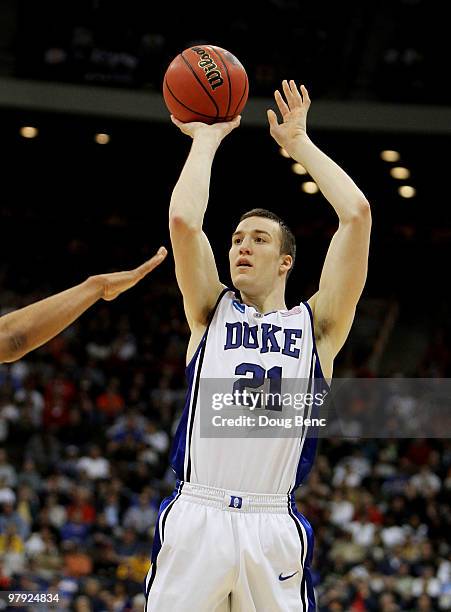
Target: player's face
(255,259)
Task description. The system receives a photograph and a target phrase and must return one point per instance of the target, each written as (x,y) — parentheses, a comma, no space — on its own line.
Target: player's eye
(236,240)
(259,239)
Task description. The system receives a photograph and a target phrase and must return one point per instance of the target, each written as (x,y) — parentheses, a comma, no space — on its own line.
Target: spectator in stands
(76,562)
(128,426)
(7,471)
(56,512)
(81,505)
(44,449)
(29,476)
(136,567)
(73,432)
(111,402)
(7,495)
(10,516)
(155,438)
(128,545)
(139,477)
(31,398)
(105,559)
(74,529)
(425,482)
(363,531)
(12,550)
(425,603)
(69,464)
(141,517)
(9,412)
(5,580)
(112,510)
(95,465)
(91,588)
(27,503)
(120,600)
(341,509)
(427,583)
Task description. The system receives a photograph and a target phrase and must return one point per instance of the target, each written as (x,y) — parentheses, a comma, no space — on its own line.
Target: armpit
(322,328)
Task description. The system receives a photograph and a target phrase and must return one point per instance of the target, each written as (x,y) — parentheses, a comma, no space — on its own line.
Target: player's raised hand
(116,283)
(216,131)
(293,108)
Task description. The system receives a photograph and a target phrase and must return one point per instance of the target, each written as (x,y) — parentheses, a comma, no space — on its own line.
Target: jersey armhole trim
(318,362)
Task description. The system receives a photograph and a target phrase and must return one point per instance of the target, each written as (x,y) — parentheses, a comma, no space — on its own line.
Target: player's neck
(265,303)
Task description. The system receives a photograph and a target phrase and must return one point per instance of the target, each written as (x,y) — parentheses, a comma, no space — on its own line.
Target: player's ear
(286,263)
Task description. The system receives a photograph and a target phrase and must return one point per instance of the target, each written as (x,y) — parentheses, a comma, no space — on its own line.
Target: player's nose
(245,247)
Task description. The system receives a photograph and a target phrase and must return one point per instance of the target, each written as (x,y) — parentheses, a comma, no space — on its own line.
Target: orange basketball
(205,83)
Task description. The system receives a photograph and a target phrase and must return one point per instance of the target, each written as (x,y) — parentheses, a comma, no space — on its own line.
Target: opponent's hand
(216,131)
(116,283)
(294,110)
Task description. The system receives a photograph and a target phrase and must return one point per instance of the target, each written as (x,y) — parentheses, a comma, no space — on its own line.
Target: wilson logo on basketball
(211,70)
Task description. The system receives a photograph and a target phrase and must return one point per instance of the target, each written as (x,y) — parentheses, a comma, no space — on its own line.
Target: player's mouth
(243,263)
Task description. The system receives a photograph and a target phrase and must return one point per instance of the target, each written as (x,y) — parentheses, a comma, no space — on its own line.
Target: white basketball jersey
(242,347)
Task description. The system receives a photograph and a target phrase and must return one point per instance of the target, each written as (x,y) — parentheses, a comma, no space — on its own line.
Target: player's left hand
(215,131)
(116,283)
(294,110)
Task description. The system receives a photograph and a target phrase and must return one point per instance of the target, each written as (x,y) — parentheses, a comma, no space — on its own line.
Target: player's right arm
(28,328)
(195,265)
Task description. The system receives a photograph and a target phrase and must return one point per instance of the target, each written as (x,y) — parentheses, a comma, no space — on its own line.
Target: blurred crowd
(85,428)
(380,511)
(86,424)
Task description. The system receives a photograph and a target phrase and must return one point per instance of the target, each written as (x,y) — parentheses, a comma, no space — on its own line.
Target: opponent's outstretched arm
(195,266)
(26,329)
(345,267)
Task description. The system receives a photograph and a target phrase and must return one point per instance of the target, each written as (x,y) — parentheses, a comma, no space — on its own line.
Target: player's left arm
(345,267)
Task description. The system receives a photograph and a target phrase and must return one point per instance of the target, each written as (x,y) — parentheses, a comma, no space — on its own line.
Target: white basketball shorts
(216,551)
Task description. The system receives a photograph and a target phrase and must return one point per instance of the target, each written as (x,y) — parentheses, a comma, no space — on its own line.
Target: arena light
(283,152)
(389,155)
(406,191)
(102,138)
(310,187)
(298,169)
(28,131)
(399,172)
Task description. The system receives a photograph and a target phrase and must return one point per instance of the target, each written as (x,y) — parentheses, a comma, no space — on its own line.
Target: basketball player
(230,536)
(26,329)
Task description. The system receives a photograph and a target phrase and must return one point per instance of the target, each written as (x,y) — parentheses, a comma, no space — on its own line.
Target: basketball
(205,83)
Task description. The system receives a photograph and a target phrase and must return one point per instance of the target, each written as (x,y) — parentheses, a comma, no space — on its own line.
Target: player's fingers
(287,91)
(151,263)
(162,252)
(297,96)
(235,122)
(272,118)
(281,104)
(305,94)
(176,122)
(156,260)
